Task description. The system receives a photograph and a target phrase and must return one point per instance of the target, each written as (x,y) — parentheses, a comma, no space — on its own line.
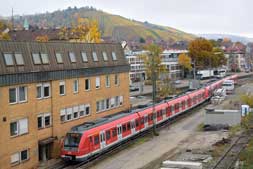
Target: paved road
(140,155)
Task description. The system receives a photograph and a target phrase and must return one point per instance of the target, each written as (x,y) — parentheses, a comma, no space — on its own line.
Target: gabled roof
(51,48)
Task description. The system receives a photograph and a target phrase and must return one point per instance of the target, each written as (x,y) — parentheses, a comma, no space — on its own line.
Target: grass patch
(141,140)
(246,156)
(234,130)
(200,127)
(219,150)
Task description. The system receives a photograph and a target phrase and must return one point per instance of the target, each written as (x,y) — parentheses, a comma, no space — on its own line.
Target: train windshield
(72,139)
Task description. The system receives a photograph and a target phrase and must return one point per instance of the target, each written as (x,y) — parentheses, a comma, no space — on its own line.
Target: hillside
(115,26)
(233,38)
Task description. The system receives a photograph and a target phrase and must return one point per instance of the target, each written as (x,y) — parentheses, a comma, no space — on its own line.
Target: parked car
(133,88)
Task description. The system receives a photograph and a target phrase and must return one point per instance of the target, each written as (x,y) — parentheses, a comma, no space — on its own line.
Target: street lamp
(154,73)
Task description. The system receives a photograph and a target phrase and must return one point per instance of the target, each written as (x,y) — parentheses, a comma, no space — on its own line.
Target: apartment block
(47,88)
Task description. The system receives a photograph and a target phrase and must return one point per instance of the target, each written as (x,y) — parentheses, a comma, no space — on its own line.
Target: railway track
(86,164)
(229,158)
(126,143)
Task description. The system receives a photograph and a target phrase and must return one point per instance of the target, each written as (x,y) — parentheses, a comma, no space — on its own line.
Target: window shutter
(112,101)
(23,126)
(15,158)
(97,81)
(69,111)
(75,109)
(63,112)
(81,107)
(121,100)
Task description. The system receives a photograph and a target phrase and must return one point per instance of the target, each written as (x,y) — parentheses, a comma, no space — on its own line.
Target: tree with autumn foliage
(203,54)
(64,33)
(4,35)
(84,31)
(247,99)
(42,38)
(185,61)
(156,71)
(152,61)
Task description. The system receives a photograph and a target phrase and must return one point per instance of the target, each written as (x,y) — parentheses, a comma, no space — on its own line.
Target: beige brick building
(47,88)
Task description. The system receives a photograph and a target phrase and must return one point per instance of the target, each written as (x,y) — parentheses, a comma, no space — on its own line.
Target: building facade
(137,66)
(47,88)
(170,59)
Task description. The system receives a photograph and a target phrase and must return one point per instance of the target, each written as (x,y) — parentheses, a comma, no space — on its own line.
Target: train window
(172,108)
(183,103)
(128,126)
(177,106)
(146,119)
(142,120)
(90,139)
(96,140)
(108,135)
(136,122)
(164,111)
(124,127)
(114,132)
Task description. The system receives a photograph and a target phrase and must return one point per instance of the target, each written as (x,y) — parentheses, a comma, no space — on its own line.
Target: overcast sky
(193,16)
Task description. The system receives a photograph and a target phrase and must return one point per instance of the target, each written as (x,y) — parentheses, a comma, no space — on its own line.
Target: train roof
(100,121)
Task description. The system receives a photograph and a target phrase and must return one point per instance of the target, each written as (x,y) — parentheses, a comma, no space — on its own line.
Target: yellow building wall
(33,107)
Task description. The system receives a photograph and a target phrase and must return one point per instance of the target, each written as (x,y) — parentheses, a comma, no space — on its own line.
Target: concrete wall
(226,117)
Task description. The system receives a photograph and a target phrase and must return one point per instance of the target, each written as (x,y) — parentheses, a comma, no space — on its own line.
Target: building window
(112,101)
(72,57)
(43,90)
(24,155)
(117,101)
(107,103)
(94,56)
(18,94)
(15,158)
(75,112)
(97,82)
(81,110)
(87,110)
(62,88)
(84,57)
(114,57)
(40,122)
(75,86)
(69,114)
(19,59)
(116,79)
(87,84)
(8,59)
(63,115)
(107,80)
(36,58)
(19,127)
(44,120)
(105,56)
(58,57)
(19,157)
(13,95)
(44,58)
(121,100)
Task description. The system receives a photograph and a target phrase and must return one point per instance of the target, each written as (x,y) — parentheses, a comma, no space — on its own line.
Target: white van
(229,85)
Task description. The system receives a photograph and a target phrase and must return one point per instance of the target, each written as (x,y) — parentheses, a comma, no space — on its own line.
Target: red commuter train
(90,138)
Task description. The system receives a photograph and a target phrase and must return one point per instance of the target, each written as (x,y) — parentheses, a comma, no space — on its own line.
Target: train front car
(71,146)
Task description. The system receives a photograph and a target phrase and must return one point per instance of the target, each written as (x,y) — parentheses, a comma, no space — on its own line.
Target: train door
(164,114)
(133,131)
(102,139)
(119,131)
(146,121)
